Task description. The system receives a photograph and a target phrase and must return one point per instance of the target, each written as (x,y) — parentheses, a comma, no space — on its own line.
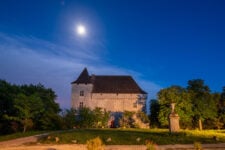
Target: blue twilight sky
(160,43)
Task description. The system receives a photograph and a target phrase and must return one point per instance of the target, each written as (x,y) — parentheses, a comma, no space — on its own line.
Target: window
(81,105)
(135,105)
(81,93)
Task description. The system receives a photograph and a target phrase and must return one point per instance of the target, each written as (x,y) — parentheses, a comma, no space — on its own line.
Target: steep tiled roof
(115,84)
(110,84)
(83,78)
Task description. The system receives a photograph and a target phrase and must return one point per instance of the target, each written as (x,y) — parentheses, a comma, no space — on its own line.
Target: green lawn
(131,136)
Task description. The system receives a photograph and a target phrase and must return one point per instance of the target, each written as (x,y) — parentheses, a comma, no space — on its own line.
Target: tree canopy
(203,102)
(27,106)
(195,104)
(178,95)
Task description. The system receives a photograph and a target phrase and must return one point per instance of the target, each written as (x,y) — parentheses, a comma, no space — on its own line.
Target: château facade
(113,93)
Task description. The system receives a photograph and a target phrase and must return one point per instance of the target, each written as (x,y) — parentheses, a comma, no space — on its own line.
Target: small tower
(81,90)
(173,120)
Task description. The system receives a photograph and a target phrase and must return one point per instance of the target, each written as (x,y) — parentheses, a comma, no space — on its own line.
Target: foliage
(154,113)
(213,123)
(95,144)
(44,121)
(143,117)
(69,118)
(8,93)
(196,105)
(150,145)
(131,119)
(27,106)
(178,95)
(221,108)
(197,146)
(203,104)
(101,118)
(127,121)
(87,118)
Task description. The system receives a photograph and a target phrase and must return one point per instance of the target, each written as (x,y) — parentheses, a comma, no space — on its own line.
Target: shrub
(95,144)
(127,121)
(87,118)
(143,116)
(197,146)
(151,145)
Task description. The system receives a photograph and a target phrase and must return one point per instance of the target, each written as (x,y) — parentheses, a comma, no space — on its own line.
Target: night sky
(160,43)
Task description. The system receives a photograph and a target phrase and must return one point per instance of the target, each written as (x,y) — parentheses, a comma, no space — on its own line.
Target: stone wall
(109,101)
(116,102)
(76,98)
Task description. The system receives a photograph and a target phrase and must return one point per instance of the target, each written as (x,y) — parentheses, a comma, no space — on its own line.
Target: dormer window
(81,93)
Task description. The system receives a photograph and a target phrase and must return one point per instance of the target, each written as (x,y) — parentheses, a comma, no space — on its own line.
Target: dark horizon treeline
(27,107)
(33,107)
(196,105)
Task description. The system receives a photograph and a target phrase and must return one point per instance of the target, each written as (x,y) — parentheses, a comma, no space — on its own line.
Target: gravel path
(18,144)
(113,147)
(21,141)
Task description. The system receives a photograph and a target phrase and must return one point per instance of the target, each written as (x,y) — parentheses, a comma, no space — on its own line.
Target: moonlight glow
(81,30)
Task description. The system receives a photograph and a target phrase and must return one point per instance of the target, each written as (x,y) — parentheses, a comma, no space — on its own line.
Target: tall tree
(221,112)
(203,105)
(215,122)
(27,105)
(154,113)
(178,95)
(44,120)
(8,93)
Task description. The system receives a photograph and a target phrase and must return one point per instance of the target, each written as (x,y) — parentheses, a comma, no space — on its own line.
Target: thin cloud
(26,60)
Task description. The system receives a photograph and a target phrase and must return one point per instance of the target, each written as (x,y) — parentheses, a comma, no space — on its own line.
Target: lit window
(135,105)
(81,93)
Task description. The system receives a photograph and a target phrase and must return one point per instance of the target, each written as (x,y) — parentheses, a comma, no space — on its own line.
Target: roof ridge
(110,83)
(114,75)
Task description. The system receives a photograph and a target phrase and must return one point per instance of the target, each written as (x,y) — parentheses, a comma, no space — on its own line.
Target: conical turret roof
(83,78)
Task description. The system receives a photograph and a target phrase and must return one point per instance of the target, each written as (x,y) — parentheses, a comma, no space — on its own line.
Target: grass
(136,136)
(19,135)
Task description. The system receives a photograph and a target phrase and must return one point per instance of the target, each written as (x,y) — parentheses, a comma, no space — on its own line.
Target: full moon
(81,30)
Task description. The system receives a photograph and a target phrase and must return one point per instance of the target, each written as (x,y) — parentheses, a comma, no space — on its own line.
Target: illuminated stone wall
(76,99)
(109,101)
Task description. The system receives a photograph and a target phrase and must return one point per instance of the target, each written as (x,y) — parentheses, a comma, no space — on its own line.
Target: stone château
(113,93)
